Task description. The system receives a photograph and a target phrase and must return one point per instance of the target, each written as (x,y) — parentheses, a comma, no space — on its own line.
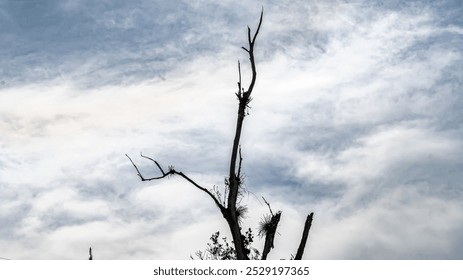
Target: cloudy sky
(356,116)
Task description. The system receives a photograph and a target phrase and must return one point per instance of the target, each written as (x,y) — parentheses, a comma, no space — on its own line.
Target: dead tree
(227,202)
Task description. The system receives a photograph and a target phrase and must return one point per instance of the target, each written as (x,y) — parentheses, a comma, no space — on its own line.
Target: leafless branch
(268,204)
(157,164)
(250,51)
(258,27)
(172,171)
(217,202)
(152,178)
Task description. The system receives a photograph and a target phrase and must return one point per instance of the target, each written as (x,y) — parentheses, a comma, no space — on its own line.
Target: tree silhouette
(228,200)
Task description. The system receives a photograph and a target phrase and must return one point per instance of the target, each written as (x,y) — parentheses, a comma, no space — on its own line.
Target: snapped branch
(268,227)
(305,235)
(270,230)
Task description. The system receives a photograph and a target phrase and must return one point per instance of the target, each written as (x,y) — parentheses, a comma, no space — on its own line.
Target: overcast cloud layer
(356,116)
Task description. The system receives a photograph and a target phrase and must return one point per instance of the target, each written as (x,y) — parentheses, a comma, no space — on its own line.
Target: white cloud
(404,223)
(355,117)
(380,153)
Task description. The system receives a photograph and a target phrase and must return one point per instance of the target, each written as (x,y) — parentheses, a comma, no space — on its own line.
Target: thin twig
(258,27)
(239,164)
(136,168)
(240,93)
(163,173)
(268,204)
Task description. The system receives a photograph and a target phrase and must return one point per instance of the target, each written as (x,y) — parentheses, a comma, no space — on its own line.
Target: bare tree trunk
(305,235)
(244,98)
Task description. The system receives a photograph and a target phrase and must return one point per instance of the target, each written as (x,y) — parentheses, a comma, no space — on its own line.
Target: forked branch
(172,171)
(152,178)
